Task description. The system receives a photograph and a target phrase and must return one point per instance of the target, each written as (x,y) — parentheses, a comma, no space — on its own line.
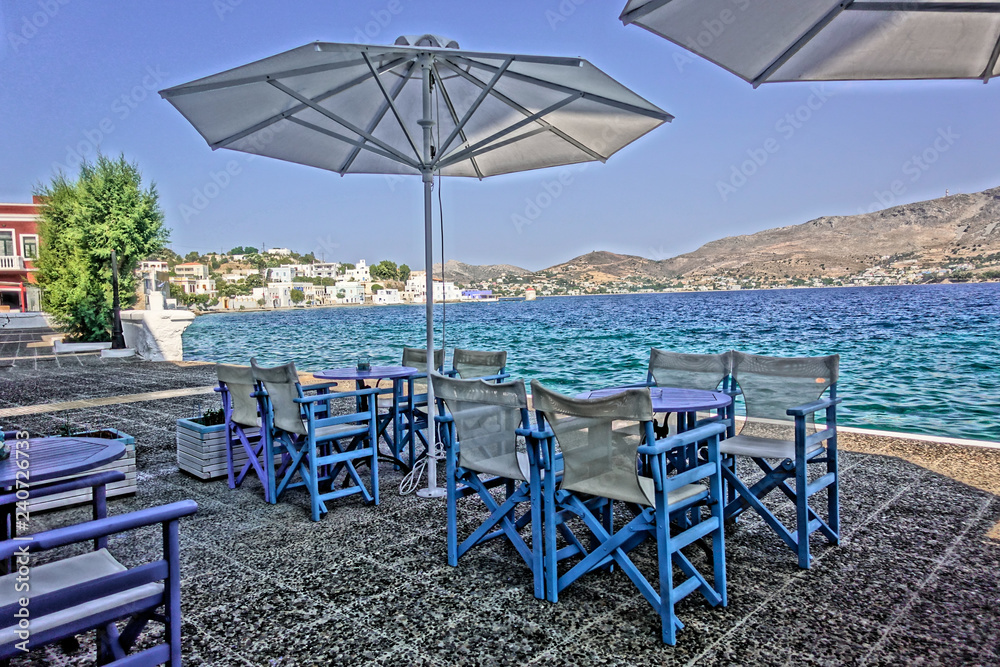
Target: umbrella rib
(495,146)
(460,127)
(354,142)
(301,71)
(958,7)
(380,114)
(638,13)
(454,119)
(475,148)
(392,105)
(294,110)
(626,106)
(800,42)
(991,65)
(400,157)
(520,109)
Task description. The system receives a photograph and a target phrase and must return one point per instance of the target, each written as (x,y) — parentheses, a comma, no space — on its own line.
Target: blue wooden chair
(238,391)
(413,406)
(600,441)
(93,591)
(482,364)
(319,445)
(708,372)
(481,427)
(782,396)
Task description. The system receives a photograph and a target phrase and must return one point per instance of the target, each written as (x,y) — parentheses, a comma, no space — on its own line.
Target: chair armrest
(217,390)
(99,528)
(686,438)
(322,398)
(809,408)
(523,432)
(444,419)
(319,386)
(85,482)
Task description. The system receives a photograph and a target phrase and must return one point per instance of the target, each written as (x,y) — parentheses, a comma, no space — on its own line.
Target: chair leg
(833,491)
(802,510)
(452,486)
(664,559)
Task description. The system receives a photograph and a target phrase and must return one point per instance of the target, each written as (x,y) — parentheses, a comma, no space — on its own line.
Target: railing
(15,262)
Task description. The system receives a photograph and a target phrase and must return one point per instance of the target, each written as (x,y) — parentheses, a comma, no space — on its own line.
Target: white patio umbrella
(420,107)
(766,41)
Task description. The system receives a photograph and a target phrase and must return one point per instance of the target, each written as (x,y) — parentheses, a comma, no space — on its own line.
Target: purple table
(398,374)
(48,459)
(52,457)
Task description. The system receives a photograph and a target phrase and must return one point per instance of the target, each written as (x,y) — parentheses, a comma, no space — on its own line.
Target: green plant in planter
(211,417)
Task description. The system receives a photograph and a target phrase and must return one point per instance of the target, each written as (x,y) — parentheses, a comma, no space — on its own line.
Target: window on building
(29,246)
(6,243)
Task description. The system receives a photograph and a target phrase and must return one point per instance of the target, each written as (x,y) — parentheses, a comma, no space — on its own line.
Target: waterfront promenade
(915,580)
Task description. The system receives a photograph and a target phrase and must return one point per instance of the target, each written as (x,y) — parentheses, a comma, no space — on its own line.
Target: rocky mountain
(466,274)
(929,233)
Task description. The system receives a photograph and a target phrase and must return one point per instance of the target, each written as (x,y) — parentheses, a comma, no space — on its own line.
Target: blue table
(398,375)
(45,459)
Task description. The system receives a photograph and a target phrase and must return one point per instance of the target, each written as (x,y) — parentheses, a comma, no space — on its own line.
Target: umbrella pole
(427,123)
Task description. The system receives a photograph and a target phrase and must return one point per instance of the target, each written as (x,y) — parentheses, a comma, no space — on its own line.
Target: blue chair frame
(502,520)
(610,547)
(237,431)
(321,446)
(113,645)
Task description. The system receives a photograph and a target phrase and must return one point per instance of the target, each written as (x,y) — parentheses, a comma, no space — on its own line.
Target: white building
(282,274)
(153,265)
(195,285)
(416,289)
(191,270)
(387,297)
(275,295)
(361,273)
(284,252)
(353,291)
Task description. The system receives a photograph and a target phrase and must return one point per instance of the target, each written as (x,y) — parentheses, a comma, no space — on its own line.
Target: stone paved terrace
(916,579)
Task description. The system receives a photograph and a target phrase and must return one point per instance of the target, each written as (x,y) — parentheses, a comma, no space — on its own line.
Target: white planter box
(125,464)
(201,450)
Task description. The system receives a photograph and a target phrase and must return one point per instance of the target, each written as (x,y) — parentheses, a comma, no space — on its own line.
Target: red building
(18,250)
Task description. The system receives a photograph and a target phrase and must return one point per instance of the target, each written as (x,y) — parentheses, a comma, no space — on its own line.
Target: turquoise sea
(920,359)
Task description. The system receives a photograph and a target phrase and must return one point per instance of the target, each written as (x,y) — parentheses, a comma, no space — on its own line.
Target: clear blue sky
(77,74)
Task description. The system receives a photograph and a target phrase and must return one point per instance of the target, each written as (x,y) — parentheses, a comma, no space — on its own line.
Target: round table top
(375,373)
(673,399)
(52,457)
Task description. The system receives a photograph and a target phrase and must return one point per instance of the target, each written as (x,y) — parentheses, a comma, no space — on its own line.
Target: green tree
(376,287)
(104,209)
(254,280)
(385,270)
(344,268)
(297,296)
(404,272)
(192,256)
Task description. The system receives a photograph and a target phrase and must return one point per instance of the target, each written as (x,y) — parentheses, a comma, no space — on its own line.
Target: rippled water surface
(921,359)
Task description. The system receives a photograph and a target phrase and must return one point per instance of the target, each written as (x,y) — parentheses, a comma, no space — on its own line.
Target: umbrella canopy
(766,41)
(421,106)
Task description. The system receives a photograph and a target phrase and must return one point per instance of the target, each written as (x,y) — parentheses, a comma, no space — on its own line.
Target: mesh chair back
(282,386)
(690,371)
(478,363)
(416,357)
(240,383)
(772,385)
(486,417)
(599,440)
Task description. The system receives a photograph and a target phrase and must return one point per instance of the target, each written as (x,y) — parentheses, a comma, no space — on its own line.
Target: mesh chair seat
(62,574)
(478,363)
(674,498)
(766,448)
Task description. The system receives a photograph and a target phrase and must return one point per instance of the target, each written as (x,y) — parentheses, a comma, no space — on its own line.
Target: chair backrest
(689,371)
(282,386)
(486,418)
(416,357)
(772,385)
(238,381)
(599,439)
(478,363)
